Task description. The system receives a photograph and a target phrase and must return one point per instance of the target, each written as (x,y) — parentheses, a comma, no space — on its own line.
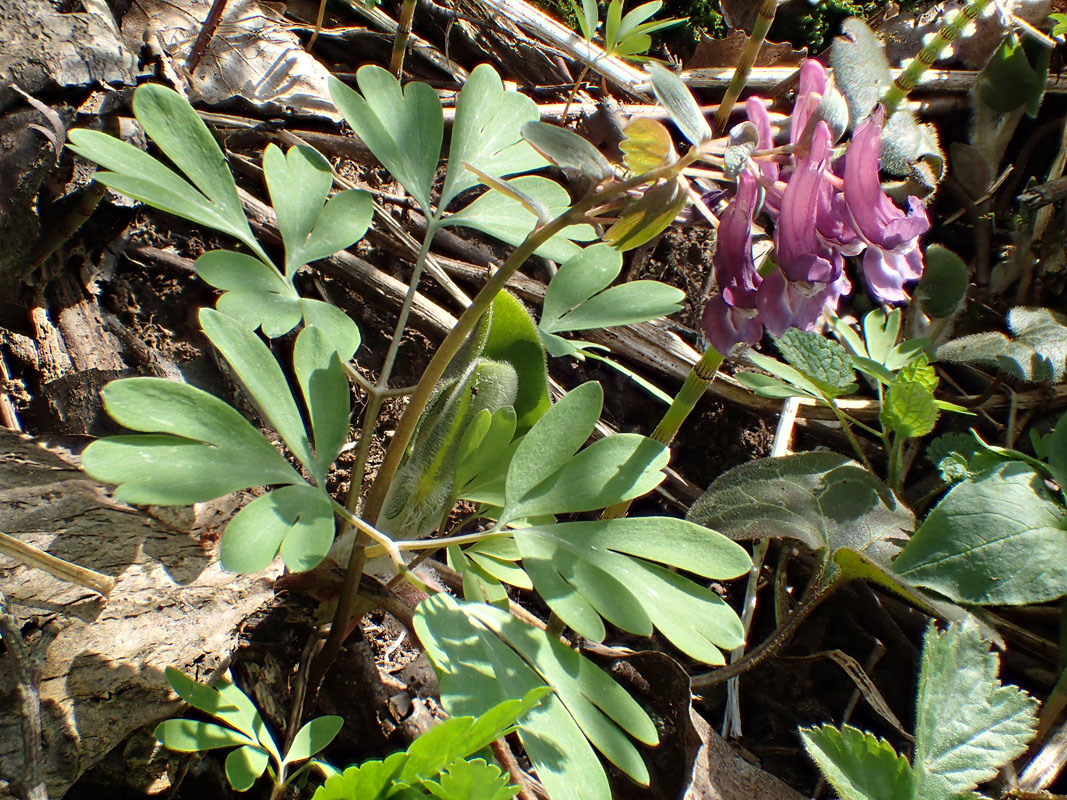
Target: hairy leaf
(1037,353)
(943,287)
(824,500)
(823,361)
(909,409)
(859,766)
(967,723)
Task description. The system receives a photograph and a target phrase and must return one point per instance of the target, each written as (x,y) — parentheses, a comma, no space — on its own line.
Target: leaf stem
(458,335)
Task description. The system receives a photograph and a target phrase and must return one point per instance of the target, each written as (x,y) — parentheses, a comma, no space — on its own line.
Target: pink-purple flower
(825,210)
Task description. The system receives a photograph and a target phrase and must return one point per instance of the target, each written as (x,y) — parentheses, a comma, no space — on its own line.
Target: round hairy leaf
(824,500)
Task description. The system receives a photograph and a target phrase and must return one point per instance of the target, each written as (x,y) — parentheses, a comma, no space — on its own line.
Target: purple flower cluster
(824,209)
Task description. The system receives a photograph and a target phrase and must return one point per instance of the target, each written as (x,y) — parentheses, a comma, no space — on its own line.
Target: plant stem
(696,383)
(574,91)
(847,428)
(929,55)
(400,40)
(458,335)
(770,645)
(748,59)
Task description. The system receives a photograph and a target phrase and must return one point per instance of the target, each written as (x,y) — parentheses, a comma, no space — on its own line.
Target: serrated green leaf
(566,149)
(296,521)
(823,361)
(909,410)
(244,765)
(967,724)
(824,500)
(919,371)
(371,780)
(191,736)
(675,96)
(487,133)
(943,287)
(483,653)
(475,778)
(585,570)
(404,128)
(311,738)
(324,387)
(211,450)
(507,220)
(997,540)
(262,377)
(859,766)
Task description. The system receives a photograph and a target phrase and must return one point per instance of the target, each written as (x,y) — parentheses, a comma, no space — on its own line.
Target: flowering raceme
(823,212)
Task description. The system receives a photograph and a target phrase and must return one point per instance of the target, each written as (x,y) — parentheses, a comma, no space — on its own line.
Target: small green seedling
(243,728)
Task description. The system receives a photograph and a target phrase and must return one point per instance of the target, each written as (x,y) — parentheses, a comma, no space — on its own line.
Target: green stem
(400,40)
(696,383)
(748,59)
(847,428)
(458,335)
(928,56)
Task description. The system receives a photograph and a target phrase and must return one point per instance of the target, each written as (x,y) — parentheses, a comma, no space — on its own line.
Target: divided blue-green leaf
(299,183)
(403,127)
(580,295)
(615,569)
(483,654)
(172,124)
(506,219)
(324,387)
(199,448)
(487,134)
(258,296)
(296,521)
(262,377)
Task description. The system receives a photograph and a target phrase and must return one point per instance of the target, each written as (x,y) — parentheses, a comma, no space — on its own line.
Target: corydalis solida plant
(825,207)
